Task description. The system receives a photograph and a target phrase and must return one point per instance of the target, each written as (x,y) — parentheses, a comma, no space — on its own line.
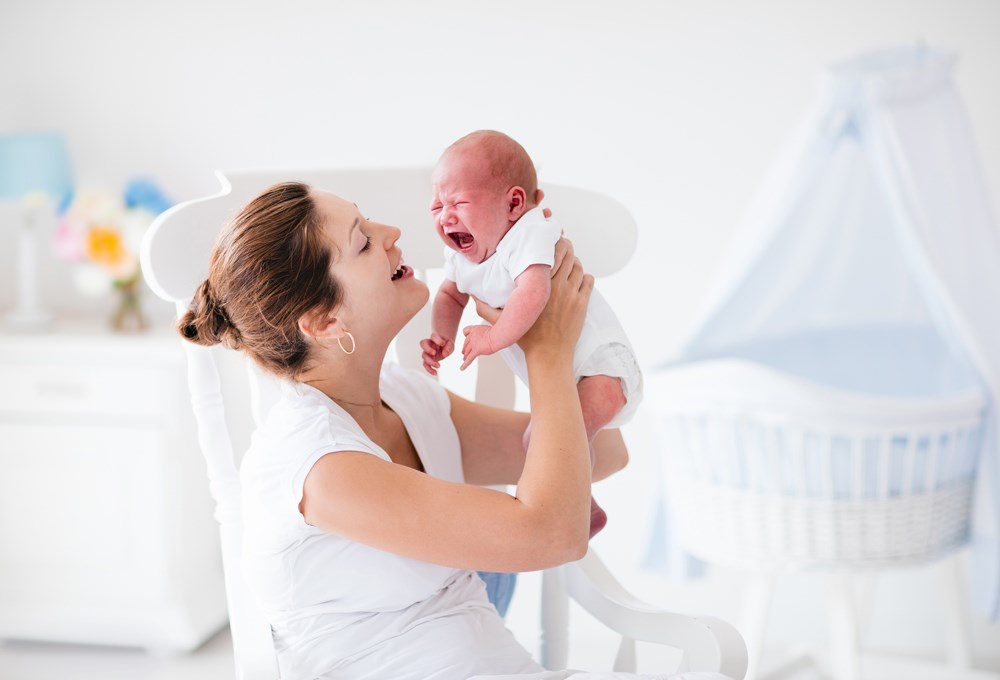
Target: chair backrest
(175,255)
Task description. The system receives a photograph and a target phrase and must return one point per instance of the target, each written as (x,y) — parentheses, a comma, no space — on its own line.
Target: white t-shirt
(342,609)
(603,347)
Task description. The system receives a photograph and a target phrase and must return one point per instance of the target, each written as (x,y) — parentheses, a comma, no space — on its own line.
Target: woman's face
(380,292)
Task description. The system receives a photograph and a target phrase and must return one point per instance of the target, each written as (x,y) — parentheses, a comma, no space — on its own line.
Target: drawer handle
(61,389)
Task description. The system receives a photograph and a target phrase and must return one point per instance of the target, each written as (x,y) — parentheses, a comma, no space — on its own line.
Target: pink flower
(68,240)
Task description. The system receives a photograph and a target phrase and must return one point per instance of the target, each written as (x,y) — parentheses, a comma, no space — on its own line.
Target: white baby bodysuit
(603,347)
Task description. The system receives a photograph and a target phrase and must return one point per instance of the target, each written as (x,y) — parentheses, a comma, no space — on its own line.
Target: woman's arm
(492,441)
(493,449)
(397,509)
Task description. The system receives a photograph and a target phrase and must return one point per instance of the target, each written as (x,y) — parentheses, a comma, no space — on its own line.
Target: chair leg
(555,620)
(958,634)
(625,661)
(756,608)
(864,583)
(844,639)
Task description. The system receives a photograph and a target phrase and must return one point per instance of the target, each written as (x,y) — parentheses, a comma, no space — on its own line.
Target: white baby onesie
(603,347)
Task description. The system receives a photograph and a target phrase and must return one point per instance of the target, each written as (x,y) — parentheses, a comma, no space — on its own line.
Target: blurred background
(676,108)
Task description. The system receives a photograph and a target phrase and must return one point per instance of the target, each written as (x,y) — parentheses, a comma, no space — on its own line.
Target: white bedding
(903,361)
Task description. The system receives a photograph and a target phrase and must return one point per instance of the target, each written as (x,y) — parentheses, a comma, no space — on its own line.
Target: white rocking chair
(175,255)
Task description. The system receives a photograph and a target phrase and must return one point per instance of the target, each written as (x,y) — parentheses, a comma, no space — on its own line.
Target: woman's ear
(516,203)
(321,325)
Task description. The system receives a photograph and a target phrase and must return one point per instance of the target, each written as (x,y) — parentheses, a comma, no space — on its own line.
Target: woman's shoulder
(302,421)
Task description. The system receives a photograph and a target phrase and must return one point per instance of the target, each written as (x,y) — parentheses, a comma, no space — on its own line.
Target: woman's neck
(350,381)
(353,389)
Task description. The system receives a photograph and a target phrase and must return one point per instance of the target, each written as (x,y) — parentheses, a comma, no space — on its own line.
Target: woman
(362,508)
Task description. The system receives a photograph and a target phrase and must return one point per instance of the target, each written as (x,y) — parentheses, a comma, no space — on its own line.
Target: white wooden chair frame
(174,257)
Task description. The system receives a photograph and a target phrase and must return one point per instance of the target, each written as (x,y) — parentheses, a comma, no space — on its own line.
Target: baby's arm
(445,315)
(531,292)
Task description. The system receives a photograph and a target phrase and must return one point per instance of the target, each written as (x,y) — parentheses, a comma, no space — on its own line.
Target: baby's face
(470,214)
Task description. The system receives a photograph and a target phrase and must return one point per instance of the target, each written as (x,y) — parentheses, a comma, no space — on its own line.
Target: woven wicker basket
(768,471)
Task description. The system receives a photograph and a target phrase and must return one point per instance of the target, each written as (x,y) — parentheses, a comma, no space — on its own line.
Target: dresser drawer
(80,390)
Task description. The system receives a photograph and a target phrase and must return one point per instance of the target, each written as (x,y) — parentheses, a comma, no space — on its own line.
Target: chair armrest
(709,644)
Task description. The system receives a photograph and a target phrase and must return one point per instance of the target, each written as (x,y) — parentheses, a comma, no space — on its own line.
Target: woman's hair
(270,266)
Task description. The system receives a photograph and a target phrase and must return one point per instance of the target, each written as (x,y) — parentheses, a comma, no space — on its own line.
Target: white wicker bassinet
(767,470)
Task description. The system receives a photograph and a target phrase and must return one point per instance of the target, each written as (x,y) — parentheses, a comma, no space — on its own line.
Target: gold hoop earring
(354,345)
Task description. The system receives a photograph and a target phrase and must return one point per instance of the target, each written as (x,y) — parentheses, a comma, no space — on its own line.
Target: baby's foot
(598,518)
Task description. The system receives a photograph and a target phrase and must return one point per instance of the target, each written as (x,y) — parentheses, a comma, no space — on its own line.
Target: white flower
(133,224)
(91,279)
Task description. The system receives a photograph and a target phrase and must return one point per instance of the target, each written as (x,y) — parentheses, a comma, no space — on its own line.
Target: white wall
(676,107)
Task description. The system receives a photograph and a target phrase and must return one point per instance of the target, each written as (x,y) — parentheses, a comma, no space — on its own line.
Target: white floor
(40,661)
(591,648)
(213,661)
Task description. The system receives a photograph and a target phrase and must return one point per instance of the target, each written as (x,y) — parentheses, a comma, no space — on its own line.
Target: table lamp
(32,165)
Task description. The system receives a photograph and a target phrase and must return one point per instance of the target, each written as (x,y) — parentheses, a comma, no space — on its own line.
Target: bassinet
(856,448)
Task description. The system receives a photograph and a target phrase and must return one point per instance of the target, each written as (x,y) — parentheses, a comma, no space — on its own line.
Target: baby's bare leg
(601,399)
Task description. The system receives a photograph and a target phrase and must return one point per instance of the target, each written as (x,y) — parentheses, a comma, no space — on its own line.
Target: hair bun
(206,322)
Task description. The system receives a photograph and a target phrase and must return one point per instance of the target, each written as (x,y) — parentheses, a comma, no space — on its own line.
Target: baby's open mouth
(462,239)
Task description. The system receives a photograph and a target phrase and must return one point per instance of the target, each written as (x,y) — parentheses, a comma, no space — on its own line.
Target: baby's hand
(477,342)
(435,349)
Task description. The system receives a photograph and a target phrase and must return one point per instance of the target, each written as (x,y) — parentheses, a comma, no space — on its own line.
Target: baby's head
(482,185)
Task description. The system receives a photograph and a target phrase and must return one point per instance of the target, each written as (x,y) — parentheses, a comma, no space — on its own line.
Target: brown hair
(506,161)
(270,266)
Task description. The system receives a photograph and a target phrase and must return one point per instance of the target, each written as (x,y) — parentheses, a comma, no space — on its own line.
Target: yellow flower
(105,246)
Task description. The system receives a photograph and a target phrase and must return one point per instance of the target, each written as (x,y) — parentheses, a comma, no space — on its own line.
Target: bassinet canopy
(870,261)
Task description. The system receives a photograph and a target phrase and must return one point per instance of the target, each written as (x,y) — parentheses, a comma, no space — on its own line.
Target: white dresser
(106,527)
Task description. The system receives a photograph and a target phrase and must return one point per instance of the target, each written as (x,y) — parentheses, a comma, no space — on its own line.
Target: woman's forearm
(555,482)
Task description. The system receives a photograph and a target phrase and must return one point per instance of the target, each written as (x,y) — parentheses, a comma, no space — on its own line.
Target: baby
(500,249)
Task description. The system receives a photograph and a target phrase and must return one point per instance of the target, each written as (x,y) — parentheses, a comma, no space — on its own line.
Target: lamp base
(27,320)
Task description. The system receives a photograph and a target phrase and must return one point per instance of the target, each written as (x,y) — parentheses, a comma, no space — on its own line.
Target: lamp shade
(34,162)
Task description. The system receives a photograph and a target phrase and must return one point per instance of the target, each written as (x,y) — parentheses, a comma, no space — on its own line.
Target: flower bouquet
(100,233)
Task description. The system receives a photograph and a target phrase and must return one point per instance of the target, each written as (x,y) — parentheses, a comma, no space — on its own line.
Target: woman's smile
(402,272)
